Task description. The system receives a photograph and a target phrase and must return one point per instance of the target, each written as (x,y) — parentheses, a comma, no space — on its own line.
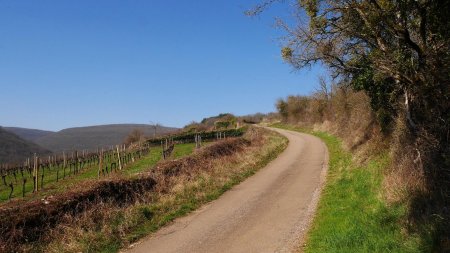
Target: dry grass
(402,181)
(182,186)
(416,178)
(404,178)
(346,114)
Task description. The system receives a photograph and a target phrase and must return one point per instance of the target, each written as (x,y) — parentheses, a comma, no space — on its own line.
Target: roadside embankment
(111,214)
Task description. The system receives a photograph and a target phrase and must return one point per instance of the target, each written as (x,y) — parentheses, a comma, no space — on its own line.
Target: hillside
(27,133)
(15,149)
(93,137)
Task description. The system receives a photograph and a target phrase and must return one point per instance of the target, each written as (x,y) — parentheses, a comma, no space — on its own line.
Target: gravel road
(268,212)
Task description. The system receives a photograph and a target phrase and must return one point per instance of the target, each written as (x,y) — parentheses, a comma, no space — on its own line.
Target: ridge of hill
(93,137)
(16,149)
(28,133)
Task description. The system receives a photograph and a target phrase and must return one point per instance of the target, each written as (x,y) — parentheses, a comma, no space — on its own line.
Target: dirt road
(269,212)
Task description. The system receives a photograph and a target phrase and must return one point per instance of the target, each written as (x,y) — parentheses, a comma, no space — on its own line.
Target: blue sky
(67,63)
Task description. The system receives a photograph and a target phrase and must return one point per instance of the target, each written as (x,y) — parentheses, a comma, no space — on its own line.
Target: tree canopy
(398,53)
(390,49)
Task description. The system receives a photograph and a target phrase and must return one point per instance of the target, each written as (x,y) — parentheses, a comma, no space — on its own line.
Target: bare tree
(135,136)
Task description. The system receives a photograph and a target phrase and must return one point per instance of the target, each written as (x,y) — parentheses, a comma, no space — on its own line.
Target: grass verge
(352,215)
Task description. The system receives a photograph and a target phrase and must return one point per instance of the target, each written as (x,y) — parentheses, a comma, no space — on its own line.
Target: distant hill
(93,137)
(15,149)
(28,134)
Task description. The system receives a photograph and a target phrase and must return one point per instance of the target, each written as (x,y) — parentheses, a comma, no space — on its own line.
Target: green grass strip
(352,215)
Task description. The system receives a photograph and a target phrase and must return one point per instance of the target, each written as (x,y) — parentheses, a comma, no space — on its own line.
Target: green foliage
(147,212)
(380,91)
(286,53)
(282,108)
(402,55)
(225,121)
(311,7)
(224,124)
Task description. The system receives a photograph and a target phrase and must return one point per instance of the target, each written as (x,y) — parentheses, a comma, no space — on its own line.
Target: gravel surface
(268,212)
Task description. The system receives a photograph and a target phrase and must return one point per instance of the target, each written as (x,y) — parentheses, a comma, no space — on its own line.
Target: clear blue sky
(66,63)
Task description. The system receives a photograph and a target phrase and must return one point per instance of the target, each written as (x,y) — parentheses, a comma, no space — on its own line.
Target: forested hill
(27,133)
(93,137)
(15,149)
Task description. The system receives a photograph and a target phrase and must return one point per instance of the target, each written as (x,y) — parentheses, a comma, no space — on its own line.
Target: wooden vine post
(35,173)
(140,148)
(162,153)
(23,186)
(64,165)
(100,163)
(118,157)
(198,141)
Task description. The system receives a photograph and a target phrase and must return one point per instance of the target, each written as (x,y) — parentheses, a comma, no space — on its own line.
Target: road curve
(268,212)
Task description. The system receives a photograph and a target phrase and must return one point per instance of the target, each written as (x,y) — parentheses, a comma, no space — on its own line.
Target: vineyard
(57,172)
(41,195)
(37,173)
(205,136)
